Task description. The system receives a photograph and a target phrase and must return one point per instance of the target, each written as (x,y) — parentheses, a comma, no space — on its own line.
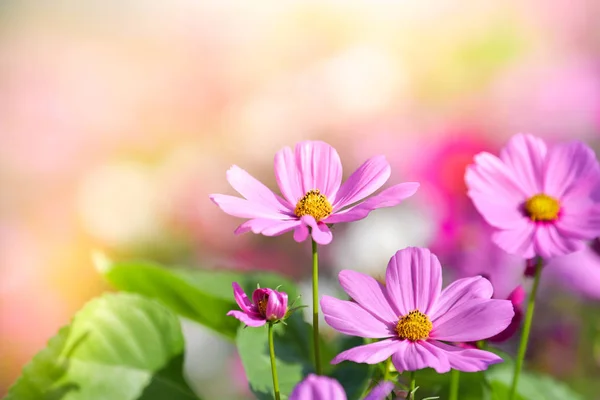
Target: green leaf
(199,295)
(531,385)
(118,346)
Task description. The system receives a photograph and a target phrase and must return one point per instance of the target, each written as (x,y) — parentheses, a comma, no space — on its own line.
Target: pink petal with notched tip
(571,169)
(413,356)
(475,320)
(351,319)
(369,177)
(518,240)
(267,227)
(389,197)
(525,156)
(287,176)
(320,166)
(465,360)
(368,293)
(413,280)
(460,292)
(548,242)
(319,231)
(494,191)
(372,353)
(243,208)
(255,191)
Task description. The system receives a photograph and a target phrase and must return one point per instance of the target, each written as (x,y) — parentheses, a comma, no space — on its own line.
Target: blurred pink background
(118,118)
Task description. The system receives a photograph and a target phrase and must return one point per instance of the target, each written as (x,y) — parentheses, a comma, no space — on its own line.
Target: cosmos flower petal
(351,319)
(475,320)
(240,298)
(288,176)
(462,291)
(301,233)
(371,353)
(276,305)
(488,175)
(581,222)
(315,387)
(579,271)
(255,191)
(418,355)
(267,227)
(321,167)
(369,177)
(518,240)
(248,319)
(571,169)
(381,391)
(497,211)
(549,243)
(368,293)
(389,197)
(413,280)
(320,232)
(525,156)
(243,208)
(466,360)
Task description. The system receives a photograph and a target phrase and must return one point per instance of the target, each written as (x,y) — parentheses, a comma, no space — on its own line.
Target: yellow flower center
(262,305)
(414,326)
(315,204)
(542,207)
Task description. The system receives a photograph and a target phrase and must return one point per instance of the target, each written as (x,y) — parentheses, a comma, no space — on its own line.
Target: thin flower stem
(315,293)
(273,365)
(413,384)
(454,384)
(386,373)
(526,330)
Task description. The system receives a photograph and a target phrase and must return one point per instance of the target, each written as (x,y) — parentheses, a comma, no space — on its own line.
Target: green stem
(386,373)
(526,330)
(273,365)
(315,293)
(413,385)
(454,384)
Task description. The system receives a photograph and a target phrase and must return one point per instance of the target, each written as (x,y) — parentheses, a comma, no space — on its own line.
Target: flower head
(315,387)
(313,196)
(266,305)
(540,200)
(413,316)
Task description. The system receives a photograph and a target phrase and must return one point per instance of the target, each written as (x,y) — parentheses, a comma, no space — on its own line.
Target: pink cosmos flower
(267,305)
(310,180)
(538,199)
(315,387)
(414,317)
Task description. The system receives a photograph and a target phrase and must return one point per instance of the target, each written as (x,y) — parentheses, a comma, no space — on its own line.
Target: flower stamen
(414,326)
(314,203)
(542,207)
(262,305)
